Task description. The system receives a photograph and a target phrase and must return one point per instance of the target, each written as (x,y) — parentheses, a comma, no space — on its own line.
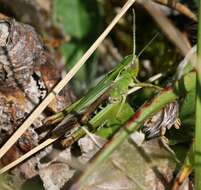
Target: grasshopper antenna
(134,37)
(148,44)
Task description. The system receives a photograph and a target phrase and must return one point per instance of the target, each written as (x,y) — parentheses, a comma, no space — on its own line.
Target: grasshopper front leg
(139,85)
(132,86)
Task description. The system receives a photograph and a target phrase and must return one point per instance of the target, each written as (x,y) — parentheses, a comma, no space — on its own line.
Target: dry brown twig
(178,7)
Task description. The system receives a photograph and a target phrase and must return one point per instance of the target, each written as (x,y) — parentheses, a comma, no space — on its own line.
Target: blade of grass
(63,82)
(198,110)
(166,96)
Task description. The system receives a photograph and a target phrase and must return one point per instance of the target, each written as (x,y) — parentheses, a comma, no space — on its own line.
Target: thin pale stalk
(198,110)
(28,154)
(63,82)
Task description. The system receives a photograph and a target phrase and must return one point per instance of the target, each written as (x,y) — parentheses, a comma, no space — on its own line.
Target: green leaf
(188,106)
(79,19)
(75,17)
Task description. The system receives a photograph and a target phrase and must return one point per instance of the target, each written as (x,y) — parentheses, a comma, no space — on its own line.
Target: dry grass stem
(28,154)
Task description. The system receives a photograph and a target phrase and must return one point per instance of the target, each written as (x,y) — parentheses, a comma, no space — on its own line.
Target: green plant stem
(164,97)
(198,110)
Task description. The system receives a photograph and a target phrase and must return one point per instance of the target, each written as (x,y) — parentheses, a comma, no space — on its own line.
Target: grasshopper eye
(136,61)
(135,64)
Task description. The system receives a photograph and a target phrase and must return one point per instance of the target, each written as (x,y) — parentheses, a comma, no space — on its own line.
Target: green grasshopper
(117,82)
